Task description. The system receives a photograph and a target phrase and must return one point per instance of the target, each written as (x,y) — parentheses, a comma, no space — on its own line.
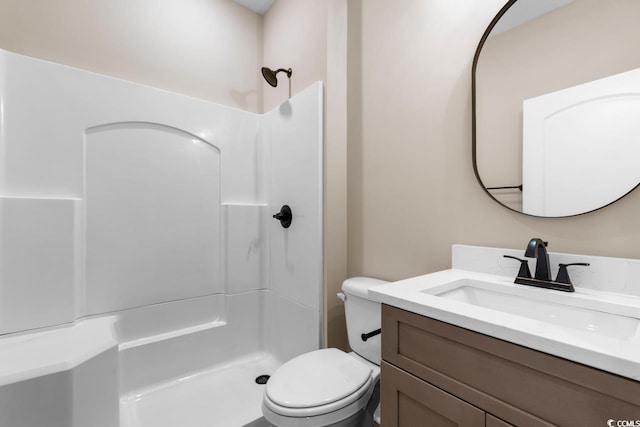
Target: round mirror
(556,102)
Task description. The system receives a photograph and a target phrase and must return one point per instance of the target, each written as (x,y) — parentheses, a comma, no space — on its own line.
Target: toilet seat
(317,379)
(320,387)
(313,411)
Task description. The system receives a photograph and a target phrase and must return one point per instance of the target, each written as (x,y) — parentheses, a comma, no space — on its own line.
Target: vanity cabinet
(437,374)
(415,402)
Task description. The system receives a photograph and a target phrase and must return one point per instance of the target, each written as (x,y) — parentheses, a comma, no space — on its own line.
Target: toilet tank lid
(359,286)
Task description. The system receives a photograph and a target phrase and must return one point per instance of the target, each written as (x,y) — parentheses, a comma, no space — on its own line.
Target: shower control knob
(284,216)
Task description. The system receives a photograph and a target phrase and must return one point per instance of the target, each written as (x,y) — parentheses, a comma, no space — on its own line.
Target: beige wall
(295,36)
(210,49)
(335,176)
(412,191)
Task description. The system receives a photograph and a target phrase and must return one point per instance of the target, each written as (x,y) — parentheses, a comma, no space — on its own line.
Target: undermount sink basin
(561,310)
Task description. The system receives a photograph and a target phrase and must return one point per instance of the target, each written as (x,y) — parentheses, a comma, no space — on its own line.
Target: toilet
(329,387)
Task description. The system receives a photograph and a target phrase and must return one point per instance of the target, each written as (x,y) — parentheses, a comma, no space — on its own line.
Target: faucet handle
(524,267)
(563,274)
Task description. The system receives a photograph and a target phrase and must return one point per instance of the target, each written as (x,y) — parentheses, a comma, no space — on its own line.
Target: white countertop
(617,354)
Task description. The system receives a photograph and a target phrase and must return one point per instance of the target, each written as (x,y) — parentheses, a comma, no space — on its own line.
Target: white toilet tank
(363,316)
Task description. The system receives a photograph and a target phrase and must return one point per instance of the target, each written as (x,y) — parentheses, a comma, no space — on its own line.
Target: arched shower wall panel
(152,216)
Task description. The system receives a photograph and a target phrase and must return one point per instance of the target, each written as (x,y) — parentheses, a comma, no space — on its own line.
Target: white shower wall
(294,130)
(117,198)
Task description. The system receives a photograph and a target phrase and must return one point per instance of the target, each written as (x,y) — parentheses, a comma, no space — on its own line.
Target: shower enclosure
(143,280)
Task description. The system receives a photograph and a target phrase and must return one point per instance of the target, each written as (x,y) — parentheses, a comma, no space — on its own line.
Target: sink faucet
(538,249)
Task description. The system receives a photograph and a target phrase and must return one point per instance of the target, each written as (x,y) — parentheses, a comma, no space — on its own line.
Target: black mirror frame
(484,38)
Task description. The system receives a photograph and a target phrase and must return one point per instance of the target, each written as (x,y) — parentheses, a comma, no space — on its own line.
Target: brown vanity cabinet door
(408,401)
(496,422)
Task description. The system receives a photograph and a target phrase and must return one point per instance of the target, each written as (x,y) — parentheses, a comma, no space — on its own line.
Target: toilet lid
(317,378)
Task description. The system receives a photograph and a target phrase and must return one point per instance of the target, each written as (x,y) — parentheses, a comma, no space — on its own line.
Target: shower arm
(288,71)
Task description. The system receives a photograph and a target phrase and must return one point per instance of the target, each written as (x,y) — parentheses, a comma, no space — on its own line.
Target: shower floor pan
(200,375)
(223,396)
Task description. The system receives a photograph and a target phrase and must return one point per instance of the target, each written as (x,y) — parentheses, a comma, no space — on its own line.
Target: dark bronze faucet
(537,248)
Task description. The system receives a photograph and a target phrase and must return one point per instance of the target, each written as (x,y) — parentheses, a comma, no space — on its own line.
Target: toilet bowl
(329,387)
(323,388)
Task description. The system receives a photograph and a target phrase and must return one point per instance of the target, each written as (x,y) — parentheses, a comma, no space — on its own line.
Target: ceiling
(258,6)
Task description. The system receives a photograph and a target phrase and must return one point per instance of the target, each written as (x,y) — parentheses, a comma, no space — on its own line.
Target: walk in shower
(143,280)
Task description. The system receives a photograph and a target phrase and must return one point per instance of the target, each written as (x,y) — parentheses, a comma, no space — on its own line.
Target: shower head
(270,75)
